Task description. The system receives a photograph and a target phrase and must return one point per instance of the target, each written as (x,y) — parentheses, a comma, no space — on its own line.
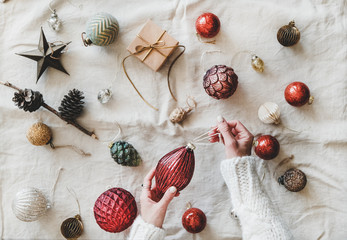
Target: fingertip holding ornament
(194,220)
(269,113)
(288,35)
(293,179)
(266,147)
(207,25)
(297,94)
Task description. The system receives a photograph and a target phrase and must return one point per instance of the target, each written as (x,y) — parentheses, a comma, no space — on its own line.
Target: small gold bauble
(39,134)
(72,228)
(178,115)
(288,35)
(257,64)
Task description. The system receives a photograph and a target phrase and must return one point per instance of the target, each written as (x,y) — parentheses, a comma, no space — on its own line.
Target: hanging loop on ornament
(256,62)
(117,135)
(54,185)
(281,163)
(188,205)
(74,148)
(86,41)
(190,106)
(203,55)
(203,41)
(74,195)
(52,45)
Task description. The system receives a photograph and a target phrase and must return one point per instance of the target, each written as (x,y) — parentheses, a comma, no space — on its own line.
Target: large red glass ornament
(115,210)
(220,82)
(207,25)
(194,220)
(175,169)
(297,94)
(267,147)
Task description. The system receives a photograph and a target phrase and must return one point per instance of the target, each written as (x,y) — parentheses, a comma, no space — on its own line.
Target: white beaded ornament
(29,204)
(269,112)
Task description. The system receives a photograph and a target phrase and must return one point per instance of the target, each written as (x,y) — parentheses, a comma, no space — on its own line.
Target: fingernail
(220,119)
(172,189)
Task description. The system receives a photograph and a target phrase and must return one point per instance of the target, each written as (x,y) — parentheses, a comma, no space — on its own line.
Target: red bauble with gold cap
(207,25)
(267,147)
(115,210)
(297,94)
(194,220)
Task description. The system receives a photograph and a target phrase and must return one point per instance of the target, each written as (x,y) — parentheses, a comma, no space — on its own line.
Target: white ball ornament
(269,112)
(29,204)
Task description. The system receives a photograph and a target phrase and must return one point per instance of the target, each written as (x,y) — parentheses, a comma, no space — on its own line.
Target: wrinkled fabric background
(319,145)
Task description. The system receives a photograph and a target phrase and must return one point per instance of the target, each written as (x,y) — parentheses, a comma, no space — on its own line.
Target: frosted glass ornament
(29,204)
(269,112)
(104,95)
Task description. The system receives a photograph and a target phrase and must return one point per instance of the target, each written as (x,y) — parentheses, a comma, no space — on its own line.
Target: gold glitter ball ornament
(293,179)
(39,134)
(257,63)
(288,35)
(72,228)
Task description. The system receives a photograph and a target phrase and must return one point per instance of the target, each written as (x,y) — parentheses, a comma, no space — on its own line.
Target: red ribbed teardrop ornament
(115,210)
(175,169)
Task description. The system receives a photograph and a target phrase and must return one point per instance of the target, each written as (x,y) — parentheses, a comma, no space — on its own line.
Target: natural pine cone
(71,106)
(220,81)
(28,100)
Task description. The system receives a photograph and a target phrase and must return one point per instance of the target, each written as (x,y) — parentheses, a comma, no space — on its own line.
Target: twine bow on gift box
(149,47)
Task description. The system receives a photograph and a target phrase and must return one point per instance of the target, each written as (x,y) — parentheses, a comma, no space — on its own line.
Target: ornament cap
(292,23)
(310,100)
(190,146)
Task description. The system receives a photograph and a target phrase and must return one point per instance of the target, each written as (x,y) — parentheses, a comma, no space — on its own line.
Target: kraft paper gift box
(156,43)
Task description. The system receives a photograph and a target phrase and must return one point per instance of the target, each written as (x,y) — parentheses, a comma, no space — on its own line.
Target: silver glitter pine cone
(28,100)
(71,106)
(288,35)
(72,228)
(293,179)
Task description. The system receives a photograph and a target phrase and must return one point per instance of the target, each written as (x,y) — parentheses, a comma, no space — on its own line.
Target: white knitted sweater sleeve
(141,230)
(258,218)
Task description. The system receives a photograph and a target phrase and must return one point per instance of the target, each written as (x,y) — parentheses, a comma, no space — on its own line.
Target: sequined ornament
(194,220)
(104,95)
(207,25)
(266,147)
(269,112)
(124,154)
(257,63)
(101,30)
(293,179)
(220,82)
(176,168)
(297,94)
(115,210)
(288,35)
(179,114)
(72,228)
(54,21)
(29,204)
(39,134)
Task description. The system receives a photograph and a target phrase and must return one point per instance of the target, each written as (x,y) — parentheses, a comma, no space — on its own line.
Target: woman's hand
(236,138)
(153,210)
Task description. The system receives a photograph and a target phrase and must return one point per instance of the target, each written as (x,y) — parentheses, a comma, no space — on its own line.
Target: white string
(50,6)
(55,184)
(203,54)
(73,193)
(119,133)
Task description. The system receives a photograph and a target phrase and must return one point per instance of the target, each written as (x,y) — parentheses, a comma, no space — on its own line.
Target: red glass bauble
(207,25)
(194,220)
(267,147)
(297,94)
(115,210)
(175,169)
(220,82)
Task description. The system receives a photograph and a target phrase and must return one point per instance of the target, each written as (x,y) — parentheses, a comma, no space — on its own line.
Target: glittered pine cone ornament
(72,228)
(176,168)
(293,179)
(71,106)
(220,82)
(288,35)
(102,30)
(29,204)
(28,100)
(125,154)
(39,134)
(115,210)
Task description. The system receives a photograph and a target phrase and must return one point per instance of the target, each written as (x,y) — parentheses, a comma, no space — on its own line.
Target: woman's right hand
(235,136)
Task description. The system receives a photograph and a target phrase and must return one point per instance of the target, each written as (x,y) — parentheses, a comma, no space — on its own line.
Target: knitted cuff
(141,230)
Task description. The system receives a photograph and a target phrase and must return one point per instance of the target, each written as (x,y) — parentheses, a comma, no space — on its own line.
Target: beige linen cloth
(319,145)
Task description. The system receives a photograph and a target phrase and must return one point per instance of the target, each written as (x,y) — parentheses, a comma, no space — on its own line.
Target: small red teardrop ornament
(175,169)
(267,147)
(297,94)
(115,210)
(194,220)
(207,25)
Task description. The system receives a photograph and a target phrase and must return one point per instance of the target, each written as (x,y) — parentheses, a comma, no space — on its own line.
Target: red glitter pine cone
(297,94)
(220,81)
(267,147)
(176,168)
(207,25)
(115,210)
(194,220)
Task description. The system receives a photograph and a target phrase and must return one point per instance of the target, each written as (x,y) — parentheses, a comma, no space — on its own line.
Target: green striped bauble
(102,29)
